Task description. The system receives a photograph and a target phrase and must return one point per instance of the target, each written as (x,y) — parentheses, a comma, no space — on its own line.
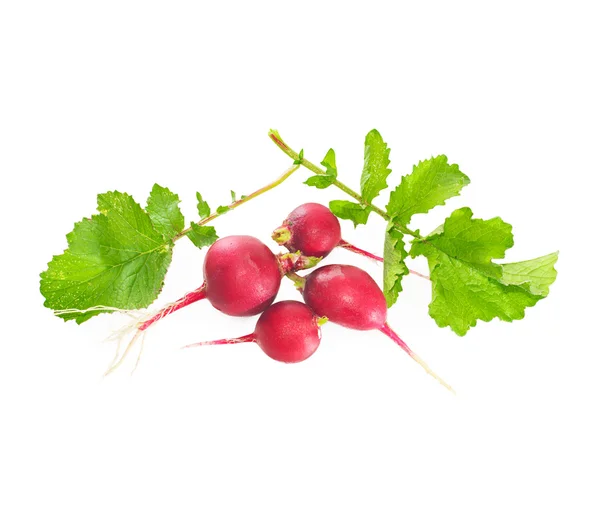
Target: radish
(241,278)
(349,296)
(311,228)
(287,331)
(315,231)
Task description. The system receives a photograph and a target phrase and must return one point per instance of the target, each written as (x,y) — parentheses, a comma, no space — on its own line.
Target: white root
(117,364)
(137,362)
(138,318)
(117,351)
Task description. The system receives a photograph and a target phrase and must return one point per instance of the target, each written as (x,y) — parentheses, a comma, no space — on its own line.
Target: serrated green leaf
(394,267)
(202,236)
(466,285)
(375,170)
(163,209)
(327,179)
(222,209)
(474,240)
(116,259)
(429,185)
(354,212)
(536,274)
(203,208)
(462,295)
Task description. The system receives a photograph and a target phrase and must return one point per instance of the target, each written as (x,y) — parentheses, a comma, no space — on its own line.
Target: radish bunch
(242,278)
(117,259)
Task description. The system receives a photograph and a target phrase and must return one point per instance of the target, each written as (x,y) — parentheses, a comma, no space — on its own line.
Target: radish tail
(389,332)
(186,300)
(413,272)
(364,253)
(223,341)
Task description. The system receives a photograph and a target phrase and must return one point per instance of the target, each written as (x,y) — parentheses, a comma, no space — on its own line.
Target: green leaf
(375,170)
(354,212)
(115,259)
(536,274)
(429,185)
(462,295)
(466,285)
(327,179)
(203,208)
(474,240)
(202,236)
(163,209)
(394,267)
(232,196)
(222,209)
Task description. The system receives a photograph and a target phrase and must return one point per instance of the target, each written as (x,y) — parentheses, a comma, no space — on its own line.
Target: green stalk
(276,138)
(243,199)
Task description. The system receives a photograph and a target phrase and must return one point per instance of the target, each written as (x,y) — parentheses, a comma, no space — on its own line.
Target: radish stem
(298,280)
(243,200)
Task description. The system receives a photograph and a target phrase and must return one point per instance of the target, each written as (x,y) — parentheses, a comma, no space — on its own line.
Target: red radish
(313,230)
(349,296)
(346,295)
(241,278)
(287,331)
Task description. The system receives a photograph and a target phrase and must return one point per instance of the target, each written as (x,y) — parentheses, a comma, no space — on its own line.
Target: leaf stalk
(242,200)
(276,138)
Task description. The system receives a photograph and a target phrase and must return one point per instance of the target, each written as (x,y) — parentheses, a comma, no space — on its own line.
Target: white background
(106,95)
